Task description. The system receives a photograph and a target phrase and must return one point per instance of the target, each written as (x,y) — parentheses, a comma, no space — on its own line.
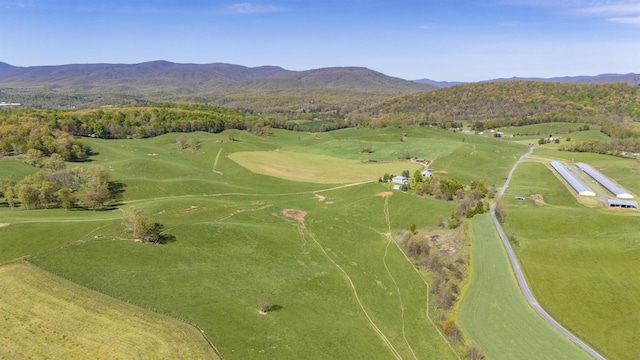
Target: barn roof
(604,181)
(576,184)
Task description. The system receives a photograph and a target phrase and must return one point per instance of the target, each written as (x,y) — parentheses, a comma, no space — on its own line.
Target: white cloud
(620,8)
(251,8)
(626,20)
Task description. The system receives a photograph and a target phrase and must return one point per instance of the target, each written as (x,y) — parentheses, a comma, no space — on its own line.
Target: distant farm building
(626,204)
(605,182)
(426,173)
(400,180)
(576,184)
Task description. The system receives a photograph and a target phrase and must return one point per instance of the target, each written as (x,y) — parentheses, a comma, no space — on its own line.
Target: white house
(426,173)
(400,180)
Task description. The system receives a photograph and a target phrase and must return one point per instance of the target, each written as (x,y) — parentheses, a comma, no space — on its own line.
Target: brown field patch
(296,214)
(537,198)
(4,224)
(385,194)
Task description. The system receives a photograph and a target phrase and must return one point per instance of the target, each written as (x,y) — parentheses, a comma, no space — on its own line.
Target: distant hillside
(512,102)
(221,84)
(631,79)
(439,84)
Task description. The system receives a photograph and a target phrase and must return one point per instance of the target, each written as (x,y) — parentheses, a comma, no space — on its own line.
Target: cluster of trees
(19,134)
(447,268)
(441,253)
(61,187)
(143,229)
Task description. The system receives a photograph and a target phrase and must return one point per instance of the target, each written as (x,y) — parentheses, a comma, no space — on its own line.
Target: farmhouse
(605,182)
(576,184)
(426,173)
(626,204)
(400,180)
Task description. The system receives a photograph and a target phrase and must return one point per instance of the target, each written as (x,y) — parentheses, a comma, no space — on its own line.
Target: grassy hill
(301,219)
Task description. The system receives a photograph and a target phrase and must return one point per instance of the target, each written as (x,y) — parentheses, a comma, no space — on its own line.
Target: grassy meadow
(580,260)
(45,316)
(301,219)
(494,313)
(314,240)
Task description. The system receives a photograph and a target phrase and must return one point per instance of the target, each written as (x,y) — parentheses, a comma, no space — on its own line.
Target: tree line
(62,188)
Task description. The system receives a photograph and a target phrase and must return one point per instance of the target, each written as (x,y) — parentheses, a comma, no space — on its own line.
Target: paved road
(521,280)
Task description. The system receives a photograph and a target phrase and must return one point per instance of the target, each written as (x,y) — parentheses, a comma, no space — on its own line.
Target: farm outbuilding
(626,204)
(576,184)
(605,182)
(426,173)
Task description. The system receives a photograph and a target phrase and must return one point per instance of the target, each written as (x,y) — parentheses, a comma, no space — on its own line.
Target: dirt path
(393,279)
(296,214)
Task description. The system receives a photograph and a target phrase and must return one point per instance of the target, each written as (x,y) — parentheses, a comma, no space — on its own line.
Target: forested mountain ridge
(632,79)
(260,88)
(512,103)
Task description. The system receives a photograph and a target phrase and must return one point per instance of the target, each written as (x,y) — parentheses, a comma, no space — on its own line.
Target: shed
(626,204)
(426,173)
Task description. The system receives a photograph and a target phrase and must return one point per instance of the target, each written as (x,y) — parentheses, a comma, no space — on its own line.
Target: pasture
(45,316)
(319,250)
(580,261)
(493,312)
(314,237)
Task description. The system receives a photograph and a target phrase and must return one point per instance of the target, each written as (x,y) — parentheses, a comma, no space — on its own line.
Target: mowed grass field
(319,250)
(494,314)
(580,261)
(47,317)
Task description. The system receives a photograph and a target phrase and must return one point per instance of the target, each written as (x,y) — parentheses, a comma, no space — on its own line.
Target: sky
(445,40)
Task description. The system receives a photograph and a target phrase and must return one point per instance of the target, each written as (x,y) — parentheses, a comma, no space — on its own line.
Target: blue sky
(442,40)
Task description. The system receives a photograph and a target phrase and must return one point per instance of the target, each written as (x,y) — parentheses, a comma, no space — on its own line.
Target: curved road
(521,280)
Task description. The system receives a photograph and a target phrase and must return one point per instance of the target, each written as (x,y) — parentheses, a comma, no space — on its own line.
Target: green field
(580,261)
(493,312)
(45,316)
(237,238)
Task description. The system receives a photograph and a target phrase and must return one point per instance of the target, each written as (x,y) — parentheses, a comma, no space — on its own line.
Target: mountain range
(631,79)
(263,88)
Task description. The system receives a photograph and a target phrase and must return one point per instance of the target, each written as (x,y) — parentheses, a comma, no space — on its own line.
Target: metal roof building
(605,182)
(576,184)
(627,204)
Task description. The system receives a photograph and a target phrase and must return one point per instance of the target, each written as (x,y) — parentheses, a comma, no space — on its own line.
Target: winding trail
(526,291)
(384,261)
(373,325)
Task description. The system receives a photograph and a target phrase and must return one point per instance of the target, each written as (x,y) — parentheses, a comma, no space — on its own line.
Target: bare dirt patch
(296,214)
(320,197)
(257,203)
(153,154)
(4,224)
(537,198)
(385,194)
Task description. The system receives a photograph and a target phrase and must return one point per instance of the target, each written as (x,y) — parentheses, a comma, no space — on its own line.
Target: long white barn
(605,182)
(576,184)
